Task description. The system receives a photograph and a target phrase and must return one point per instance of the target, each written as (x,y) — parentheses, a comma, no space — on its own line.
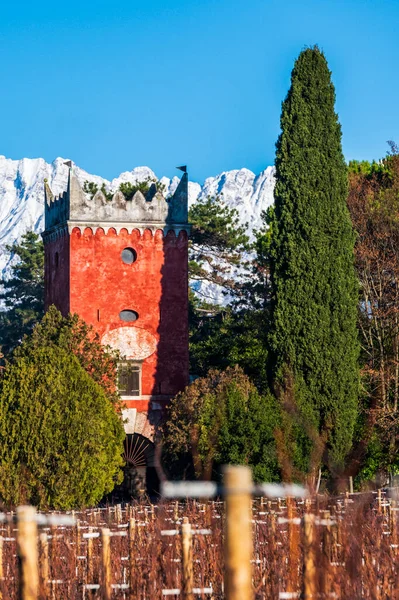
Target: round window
(128,315)
(129,256)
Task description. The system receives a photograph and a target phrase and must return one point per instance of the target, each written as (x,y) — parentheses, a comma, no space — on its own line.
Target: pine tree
(23,293)
(314,288)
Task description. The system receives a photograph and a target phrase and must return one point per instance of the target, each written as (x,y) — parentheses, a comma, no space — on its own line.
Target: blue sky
(114,85)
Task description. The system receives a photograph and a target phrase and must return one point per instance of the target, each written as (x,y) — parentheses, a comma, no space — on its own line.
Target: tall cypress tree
(314,288)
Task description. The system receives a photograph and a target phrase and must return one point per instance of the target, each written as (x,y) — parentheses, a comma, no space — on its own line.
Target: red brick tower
(122,266)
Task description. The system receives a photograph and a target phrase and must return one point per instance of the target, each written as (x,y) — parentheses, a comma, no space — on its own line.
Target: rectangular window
(129,379)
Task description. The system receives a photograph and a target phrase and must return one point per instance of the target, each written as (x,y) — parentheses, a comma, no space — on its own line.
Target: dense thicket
(373,202)
(61,439)
(314,288)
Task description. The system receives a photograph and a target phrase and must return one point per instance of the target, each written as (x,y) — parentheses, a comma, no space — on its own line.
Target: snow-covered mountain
(22,196)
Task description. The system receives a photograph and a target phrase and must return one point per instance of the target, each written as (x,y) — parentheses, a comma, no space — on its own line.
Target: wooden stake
(132,524)
(1,567)
(187,560)
(77,537)
(176,510)
(89,558)
(393,522)
(293,542)
(309,570)
(27,553)
(327,555)
(44,570)
(106,564)
(238,538)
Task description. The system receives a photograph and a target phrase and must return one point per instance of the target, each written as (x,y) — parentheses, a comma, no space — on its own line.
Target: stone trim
(130,227)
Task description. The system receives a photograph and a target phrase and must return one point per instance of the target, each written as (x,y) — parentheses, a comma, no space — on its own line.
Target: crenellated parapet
(74,208)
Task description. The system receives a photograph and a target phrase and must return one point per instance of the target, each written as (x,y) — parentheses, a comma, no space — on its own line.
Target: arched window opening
(129,256)
(128,315)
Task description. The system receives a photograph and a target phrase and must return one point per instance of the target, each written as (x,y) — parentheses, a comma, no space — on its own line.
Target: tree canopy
(74,336)
(217,244)
(374,207)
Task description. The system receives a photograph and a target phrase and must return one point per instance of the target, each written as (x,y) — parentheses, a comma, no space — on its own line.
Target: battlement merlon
(75,208)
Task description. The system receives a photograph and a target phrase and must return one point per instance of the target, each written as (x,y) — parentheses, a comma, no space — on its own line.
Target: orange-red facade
(85,274)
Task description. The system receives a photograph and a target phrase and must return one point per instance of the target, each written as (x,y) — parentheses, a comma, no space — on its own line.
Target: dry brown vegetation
(354,548)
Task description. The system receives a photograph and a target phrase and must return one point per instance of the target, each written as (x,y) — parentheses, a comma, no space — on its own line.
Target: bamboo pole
(238,538)
(309,570)
(187,560)
(106,564)
(43,566)
(27,553)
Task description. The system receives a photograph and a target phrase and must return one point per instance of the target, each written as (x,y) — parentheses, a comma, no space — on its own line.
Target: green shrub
(61,439)
(220,419)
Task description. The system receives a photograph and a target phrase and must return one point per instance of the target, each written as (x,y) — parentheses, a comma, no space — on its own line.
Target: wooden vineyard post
(106,564)
(309,559)
(176,511)
(44,570)
(187,560)
(393,510)
(326,569)
(89,558)
(27,553)
(132,524)
(77,546)
(293,543)
(238,537)
(1,567)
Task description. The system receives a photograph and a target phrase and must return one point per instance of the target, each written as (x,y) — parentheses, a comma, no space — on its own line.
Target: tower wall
(154,286)
(56,272)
